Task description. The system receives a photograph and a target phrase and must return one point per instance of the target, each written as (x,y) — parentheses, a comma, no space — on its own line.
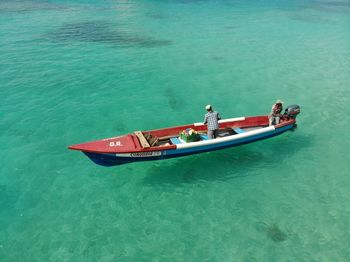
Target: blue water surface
(82,70)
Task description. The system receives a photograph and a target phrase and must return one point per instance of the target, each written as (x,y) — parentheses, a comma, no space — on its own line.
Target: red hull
(130,143)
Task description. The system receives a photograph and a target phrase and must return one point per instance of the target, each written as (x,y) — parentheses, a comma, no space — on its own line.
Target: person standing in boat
(211,119)
(276,113)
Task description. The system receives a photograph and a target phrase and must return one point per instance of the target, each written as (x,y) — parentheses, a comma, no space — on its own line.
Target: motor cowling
(292,111)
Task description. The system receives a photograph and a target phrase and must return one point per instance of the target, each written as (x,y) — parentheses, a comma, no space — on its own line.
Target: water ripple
(19,6)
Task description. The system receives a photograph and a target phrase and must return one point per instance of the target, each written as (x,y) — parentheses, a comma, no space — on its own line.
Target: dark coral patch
(104,32)
(275,233)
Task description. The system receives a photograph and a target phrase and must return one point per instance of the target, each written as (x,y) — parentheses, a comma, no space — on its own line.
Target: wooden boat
(167,143)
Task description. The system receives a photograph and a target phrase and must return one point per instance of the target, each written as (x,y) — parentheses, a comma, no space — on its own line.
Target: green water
(76,71)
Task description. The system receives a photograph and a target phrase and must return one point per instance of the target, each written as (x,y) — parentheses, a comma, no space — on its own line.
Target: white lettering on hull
(141,154)
(115,143)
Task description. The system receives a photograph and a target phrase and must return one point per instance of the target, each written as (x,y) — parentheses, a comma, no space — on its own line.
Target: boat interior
(228,127)
(148,140)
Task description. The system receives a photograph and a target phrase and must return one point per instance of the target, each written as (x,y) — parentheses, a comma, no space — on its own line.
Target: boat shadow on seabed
(227,164)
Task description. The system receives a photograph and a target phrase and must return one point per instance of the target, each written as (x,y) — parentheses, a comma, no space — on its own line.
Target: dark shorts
(212,134)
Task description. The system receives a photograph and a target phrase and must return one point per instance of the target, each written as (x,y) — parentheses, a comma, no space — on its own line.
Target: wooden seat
(153,140)
(147,139)
(147,136)
(143,141)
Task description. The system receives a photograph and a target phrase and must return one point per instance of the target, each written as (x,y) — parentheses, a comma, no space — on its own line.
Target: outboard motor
(291,111)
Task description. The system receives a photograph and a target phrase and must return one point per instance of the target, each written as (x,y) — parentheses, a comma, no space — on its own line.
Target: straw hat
(279,102)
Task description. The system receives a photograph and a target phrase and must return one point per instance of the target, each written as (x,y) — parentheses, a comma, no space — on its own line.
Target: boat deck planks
(142,139)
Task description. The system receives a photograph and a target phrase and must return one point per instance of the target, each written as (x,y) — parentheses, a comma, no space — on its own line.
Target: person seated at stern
(276,113)
(211,119)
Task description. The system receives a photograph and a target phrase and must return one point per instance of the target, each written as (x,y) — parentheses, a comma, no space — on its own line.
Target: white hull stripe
(201,144)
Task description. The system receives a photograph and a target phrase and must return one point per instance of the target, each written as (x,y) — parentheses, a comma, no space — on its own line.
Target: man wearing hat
(275,115)
(211,119)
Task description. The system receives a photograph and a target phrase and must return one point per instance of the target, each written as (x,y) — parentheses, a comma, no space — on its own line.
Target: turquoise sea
(81,70)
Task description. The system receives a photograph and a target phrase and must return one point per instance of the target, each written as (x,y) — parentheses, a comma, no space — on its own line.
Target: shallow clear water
(76,71)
